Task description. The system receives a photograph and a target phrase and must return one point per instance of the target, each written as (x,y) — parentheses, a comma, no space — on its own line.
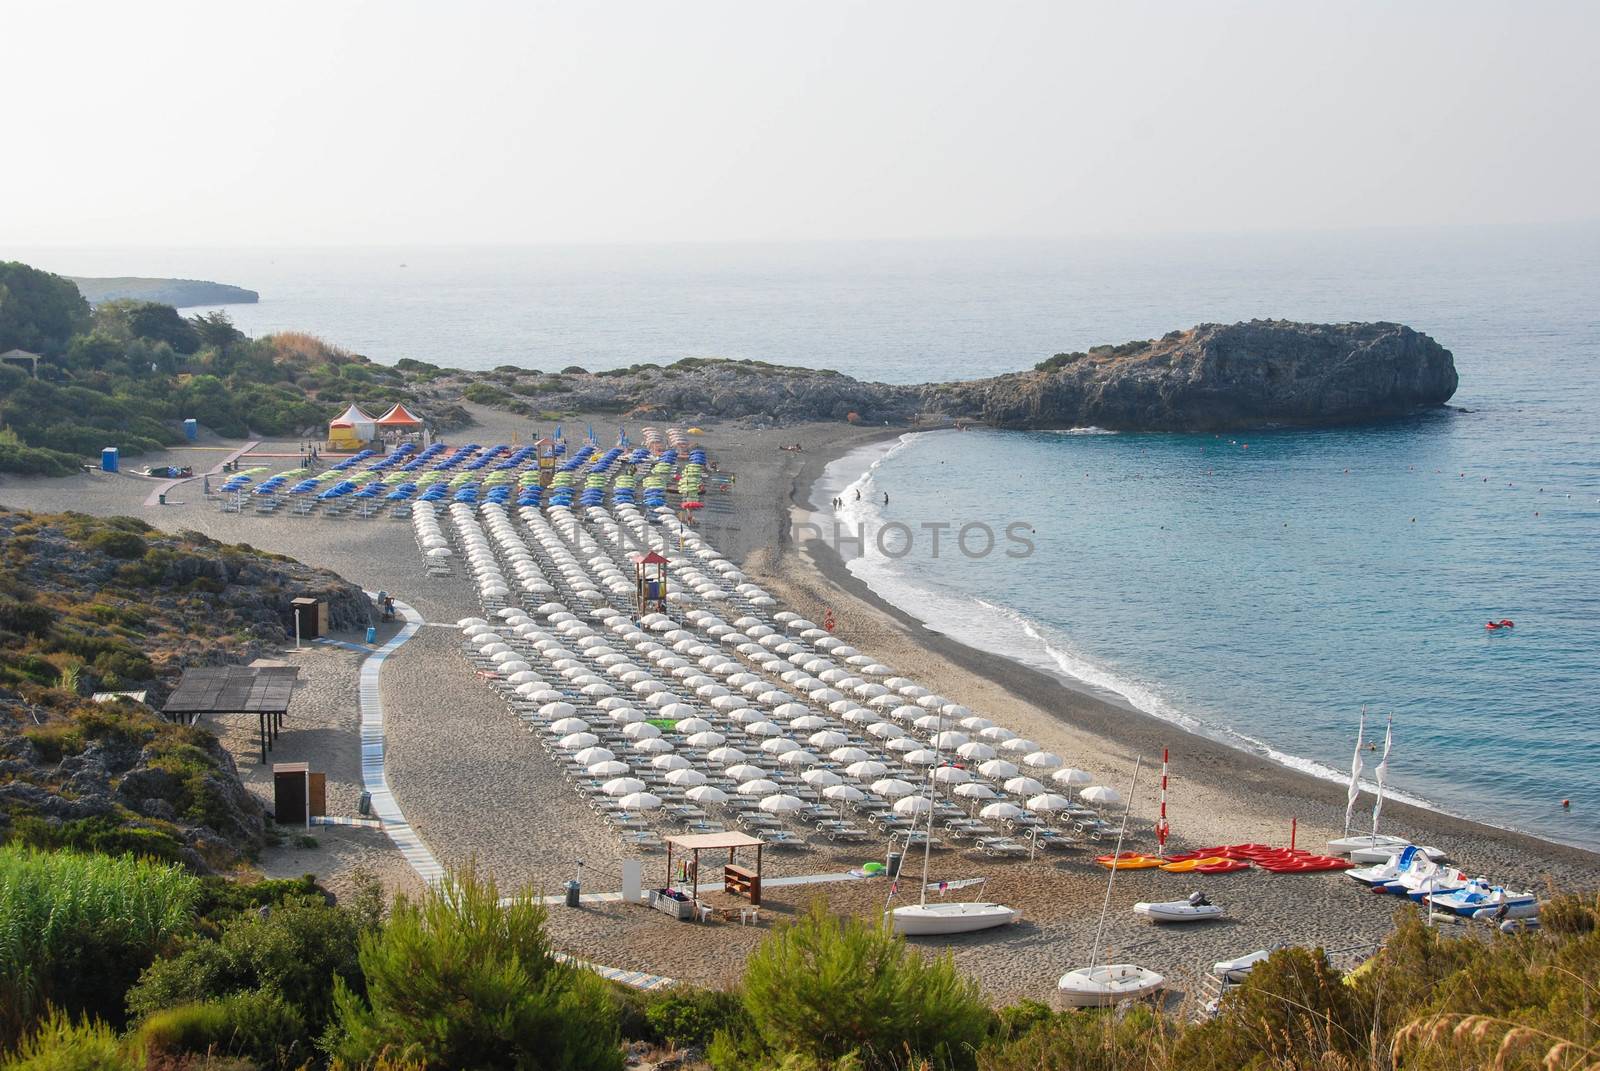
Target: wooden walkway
(166,486)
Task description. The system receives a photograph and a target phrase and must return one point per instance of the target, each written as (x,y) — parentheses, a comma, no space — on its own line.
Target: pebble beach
(479,789)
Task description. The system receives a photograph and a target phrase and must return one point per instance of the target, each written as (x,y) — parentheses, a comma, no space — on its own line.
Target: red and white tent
(398,416)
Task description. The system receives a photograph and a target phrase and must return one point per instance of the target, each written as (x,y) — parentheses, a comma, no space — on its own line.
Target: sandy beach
(477,785)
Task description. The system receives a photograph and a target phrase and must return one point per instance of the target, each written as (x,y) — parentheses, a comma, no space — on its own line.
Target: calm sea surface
(1263,587)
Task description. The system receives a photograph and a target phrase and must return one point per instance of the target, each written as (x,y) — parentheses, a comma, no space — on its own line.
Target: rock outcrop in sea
(1212,377)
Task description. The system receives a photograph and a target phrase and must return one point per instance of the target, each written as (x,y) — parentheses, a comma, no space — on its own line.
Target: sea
(1269,588)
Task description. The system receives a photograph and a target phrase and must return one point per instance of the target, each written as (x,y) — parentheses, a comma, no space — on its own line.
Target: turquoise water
(1263,594)
(1266,588)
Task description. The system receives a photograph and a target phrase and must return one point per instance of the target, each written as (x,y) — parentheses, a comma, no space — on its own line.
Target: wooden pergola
(260,690)
(736,880)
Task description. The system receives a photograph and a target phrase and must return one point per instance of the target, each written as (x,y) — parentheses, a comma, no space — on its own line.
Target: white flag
(1356,767)
(1382,773)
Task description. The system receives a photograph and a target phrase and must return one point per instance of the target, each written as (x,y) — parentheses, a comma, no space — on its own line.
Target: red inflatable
(1504,622)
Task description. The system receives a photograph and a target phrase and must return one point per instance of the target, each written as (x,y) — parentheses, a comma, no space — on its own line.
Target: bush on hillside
(258,1025)
(461,979)
(34,461)
(827,987)
(60,1044)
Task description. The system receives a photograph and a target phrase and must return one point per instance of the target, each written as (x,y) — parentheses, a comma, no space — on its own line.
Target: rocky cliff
(1219,376)
(1208,378)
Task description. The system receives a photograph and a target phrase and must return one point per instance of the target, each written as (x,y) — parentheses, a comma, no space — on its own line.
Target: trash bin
(364,805)
(372,634)
(894,865)
(572,894)
(162,497)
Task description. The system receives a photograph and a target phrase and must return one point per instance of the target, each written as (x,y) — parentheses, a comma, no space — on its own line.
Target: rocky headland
(179,293)
(1212,377)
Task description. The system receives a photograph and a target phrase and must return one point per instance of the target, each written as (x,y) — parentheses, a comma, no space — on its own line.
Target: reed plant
(76,930)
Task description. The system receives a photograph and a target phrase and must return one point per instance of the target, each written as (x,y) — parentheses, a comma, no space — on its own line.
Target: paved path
(215,470)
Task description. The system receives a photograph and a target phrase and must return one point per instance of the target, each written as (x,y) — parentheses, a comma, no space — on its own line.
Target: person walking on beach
(886,498)
(858,494)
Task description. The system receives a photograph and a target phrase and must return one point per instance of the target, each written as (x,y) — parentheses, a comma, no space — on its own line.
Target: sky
(350,123)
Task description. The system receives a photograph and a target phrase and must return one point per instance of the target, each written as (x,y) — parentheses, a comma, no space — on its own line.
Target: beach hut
(351,429)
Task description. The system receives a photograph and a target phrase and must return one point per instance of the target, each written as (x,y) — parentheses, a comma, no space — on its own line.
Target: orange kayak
(1130,861)
(1184,866)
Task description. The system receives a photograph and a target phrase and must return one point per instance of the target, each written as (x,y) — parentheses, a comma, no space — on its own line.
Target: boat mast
(1105,905)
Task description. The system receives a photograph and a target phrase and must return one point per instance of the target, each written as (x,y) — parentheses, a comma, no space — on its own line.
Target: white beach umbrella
(729,755)
(598,689)
(975,790)
(952,775)
(828,739)
(949,740)
(820,778)
(1019,745)
(640,730)
(670,762)
(920,756)
(1072,778)
(577,741)
(1101,795)
(911,805)
(763,728)
(893,787)
(779,745)
(557,710)
(931,701)
(522,676)
(808,723)
(563,726)
(781,803)
(689,725)
(886,730)
(973,751)
(707,794)
(866,769)
(849,754)
(906,713)
(798,758)
(640,801)
(625,715)
(996,734)
(685,777)
(706,739)
(844,793)
(760,786)
(1023,786)
(744,771)
(1001,811)
(653,746)
(591,755)
(1043,760)
(621,786)
(608,769)
(1046,802)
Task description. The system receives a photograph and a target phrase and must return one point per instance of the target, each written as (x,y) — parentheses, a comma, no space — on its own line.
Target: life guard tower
(545,450)
(650,570)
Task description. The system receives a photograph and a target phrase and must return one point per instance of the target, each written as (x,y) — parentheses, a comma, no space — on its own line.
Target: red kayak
(1504,622)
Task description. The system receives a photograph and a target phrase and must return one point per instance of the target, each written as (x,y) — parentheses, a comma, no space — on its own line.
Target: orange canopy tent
(398,416)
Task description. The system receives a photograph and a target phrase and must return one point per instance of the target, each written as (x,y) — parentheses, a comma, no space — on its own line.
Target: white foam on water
(1002,630)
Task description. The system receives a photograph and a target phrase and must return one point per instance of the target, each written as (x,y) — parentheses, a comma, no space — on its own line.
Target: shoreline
(1125,730)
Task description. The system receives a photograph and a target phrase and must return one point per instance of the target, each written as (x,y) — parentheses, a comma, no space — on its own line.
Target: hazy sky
(468,122)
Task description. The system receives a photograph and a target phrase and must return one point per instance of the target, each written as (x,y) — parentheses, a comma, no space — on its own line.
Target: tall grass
(75,930)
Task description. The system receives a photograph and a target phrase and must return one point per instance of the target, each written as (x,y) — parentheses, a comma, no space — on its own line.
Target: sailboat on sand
(945,917)
(1369,842)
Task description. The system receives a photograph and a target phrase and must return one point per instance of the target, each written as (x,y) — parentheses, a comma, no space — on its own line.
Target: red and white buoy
(1162,828)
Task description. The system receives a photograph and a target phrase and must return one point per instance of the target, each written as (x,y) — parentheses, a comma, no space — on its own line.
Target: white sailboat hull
(1386,852)
(933,920)
(1112,983)
(1346,845)
(1234,971)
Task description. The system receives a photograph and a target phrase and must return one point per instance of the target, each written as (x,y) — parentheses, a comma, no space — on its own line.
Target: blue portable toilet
(191,429)
(108,459)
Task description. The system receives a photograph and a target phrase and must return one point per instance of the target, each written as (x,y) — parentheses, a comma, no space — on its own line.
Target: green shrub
(296,948)
(36,461)
(258,1025)
(1293,1003)
(106,834)
(461,979)
(76,930)
(827,987)
(1137,1039)
(124,545)
(59,1044)
(684,1015)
